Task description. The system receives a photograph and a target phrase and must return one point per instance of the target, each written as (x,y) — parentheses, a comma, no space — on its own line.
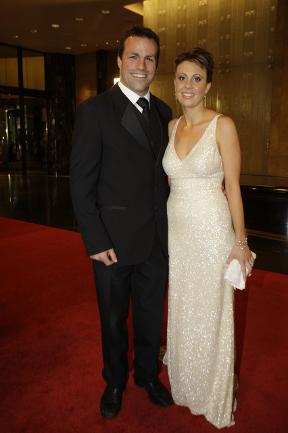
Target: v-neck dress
(200,336)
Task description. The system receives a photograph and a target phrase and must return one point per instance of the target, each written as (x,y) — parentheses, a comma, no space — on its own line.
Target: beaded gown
(200,336)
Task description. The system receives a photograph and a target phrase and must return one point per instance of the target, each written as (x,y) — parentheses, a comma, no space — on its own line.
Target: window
(8,66)
(33,70)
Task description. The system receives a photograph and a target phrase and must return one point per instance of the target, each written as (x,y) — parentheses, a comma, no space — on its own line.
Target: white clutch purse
(233,274)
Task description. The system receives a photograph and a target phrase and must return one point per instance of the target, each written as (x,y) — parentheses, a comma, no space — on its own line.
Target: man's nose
(141,63)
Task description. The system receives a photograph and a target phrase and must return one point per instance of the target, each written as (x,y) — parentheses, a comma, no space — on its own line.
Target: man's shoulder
(160,102)
(163,107)
(97,100)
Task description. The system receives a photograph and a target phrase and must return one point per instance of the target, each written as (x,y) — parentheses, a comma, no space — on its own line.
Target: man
(119,193)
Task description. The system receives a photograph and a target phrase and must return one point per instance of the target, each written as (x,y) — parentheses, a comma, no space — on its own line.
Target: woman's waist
(196,184)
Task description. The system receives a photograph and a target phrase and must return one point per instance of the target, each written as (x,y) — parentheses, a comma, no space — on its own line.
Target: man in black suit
(119,193)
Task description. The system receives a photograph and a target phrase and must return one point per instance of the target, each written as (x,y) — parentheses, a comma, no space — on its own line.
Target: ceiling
(27,23)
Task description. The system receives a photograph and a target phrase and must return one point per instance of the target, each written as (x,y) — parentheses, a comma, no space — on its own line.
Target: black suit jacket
(118,187)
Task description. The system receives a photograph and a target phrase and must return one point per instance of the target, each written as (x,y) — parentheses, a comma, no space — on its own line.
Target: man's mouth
(135,75)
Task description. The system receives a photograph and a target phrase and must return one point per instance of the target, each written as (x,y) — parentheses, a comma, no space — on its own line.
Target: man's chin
(140,90)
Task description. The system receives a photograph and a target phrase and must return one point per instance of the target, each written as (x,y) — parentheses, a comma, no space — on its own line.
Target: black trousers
(144,284)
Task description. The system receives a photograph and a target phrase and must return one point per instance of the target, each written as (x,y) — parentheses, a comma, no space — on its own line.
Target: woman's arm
(229,147)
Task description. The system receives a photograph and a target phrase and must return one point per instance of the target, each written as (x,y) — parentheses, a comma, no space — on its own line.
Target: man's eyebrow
(138,54)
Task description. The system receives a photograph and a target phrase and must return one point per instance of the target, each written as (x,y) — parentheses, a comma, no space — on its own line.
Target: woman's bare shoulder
(226,133)
(225,122)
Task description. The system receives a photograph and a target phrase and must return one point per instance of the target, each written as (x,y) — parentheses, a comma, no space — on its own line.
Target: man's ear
(119,62)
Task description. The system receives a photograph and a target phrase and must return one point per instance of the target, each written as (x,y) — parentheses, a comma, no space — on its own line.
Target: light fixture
(33,31)
(55,26)
(83,45)
(15,36)
(137,8)
(68,48)
(105,12)
(107,43)
(79,19)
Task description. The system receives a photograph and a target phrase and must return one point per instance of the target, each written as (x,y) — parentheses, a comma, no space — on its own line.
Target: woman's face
(190,84)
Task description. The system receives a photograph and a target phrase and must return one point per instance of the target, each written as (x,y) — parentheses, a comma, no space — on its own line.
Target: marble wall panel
(241,36)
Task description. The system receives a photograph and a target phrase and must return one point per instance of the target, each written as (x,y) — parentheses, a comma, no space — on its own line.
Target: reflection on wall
(240,34)
(94,73)
(60,78)
(85,76)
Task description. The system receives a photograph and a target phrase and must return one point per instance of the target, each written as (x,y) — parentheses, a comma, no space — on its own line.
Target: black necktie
(144,104)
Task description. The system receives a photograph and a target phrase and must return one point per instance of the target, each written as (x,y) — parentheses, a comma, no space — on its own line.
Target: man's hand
(107,257)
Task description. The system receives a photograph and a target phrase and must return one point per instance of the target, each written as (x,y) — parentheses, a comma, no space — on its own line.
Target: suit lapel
(133,125)
(160,123)
(128,117)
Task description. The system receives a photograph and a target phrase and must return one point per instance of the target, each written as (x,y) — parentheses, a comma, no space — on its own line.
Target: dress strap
(173,133)
(215,118)
(213,123)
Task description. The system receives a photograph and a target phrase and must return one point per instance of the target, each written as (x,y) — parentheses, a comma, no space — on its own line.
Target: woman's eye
(181,78)
(197,79)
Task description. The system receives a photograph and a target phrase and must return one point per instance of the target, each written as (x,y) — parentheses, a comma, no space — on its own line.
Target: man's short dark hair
(140,32)
(200,56)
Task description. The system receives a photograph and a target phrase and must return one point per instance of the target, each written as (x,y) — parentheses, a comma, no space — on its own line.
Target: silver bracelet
(242,244)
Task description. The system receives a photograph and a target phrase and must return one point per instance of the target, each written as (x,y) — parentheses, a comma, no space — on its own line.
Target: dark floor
(46,200)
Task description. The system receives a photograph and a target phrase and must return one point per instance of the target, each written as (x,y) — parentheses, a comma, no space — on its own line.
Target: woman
(206,231)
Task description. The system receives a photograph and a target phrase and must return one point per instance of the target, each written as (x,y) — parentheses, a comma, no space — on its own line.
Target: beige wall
(85,76)
(241,36)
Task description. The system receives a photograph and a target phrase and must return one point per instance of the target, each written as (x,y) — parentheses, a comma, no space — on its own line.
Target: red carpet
(50,357)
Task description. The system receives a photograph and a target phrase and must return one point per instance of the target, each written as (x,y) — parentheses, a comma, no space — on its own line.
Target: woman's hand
(244,257)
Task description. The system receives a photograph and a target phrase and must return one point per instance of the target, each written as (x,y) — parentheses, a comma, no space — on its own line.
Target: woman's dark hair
(200,56)
(140,32)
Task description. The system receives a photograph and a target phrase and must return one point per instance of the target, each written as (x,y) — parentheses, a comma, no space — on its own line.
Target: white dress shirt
(132,96)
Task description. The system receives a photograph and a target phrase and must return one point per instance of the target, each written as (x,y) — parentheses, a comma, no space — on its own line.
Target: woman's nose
(189,84)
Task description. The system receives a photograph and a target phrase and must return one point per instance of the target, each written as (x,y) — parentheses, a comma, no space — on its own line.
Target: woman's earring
(204,100)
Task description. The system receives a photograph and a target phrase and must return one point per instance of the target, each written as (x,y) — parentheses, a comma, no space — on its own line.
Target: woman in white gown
(206,230)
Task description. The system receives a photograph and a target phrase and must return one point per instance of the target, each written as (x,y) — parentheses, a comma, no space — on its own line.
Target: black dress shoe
(157,392)
(111,401)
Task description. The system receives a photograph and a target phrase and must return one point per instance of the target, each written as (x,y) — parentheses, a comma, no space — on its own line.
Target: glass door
(10,143)
(33,136)
(35,119)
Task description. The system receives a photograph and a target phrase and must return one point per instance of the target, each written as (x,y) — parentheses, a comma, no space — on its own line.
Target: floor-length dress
(200,337)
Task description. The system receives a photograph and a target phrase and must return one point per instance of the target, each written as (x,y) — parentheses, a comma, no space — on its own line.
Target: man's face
(138,64)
